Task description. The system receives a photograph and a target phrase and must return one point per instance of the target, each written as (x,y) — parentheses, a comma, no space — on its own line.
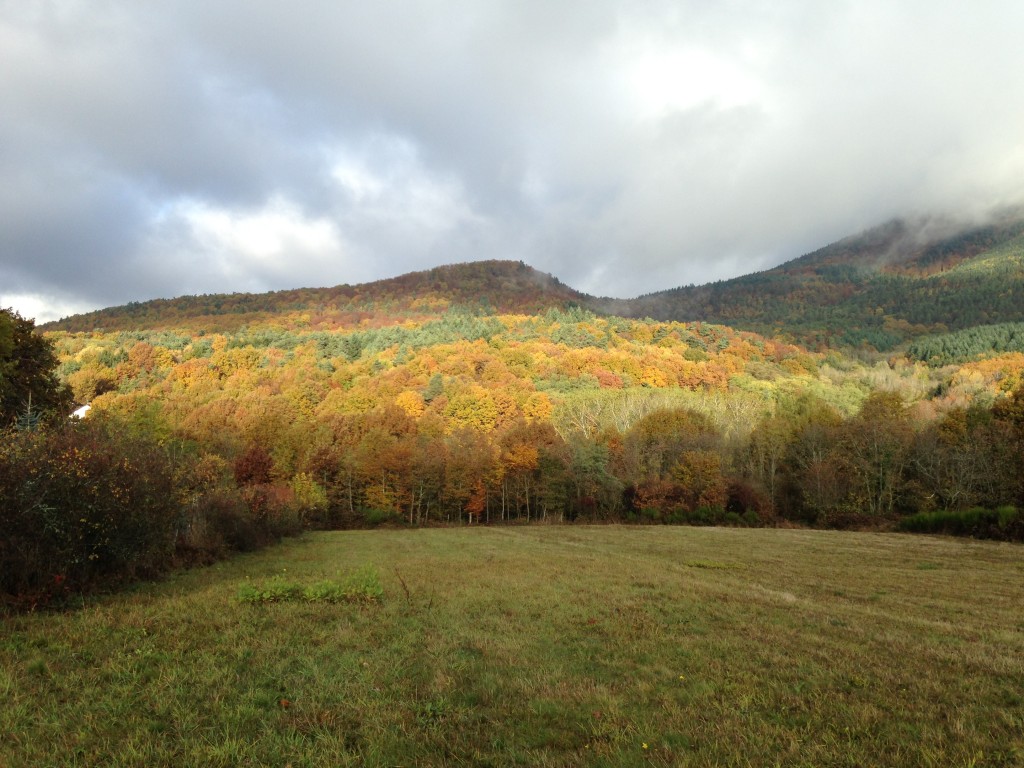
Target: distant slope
(501,286)
(896,282)
(980,341)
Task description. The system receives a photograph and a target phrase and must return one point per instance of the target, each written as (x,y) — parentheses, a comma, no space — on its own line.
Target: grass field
(541,646)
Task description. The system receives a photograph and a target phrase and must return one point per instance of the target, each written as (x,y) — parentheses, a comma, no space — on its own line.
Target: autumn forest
(489,393)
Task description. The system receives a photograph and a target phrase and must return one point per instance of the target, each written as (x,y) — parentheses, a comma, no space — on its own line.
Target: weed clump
(713,565)
(360,586)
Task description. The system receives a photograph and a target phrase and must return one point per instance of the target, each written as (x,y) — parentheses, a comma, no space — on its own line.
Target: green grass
(527,646)
(362,586)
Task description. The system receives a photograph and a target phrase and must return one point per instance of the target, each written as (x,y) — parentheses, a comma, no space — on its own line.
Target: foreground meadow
(541,646)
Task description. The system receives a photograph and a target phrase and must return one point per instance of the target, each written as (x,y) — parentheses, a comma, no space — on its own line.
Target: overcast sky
(153,149)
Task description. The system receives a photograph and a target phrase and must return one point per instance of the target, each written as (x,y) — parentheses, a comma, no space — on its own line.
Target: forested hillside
(493,286)
(465,414)
(879,290)
(473,394)
(889,285)
(484,416)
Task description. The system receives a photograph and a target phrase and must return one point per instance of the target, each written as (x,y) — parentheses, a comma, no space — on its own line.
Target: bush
(83,507)
(273,510)
(375,517)
(750,502)
(1003,523)
(88,505)
(221,521)
(309,497)
(707,516)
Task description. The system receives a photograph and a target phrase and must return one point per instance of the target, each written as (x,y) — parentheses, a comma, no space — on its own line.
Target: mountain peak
(502,286)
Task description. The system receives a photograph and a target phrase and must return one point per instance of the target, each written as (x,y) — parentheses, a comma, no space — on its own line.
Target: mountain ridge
(891,284)
(887,285)
(500,285)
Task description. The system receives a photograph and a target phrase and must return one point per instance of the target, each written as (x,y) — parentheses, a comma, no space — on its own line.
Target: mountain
(492,391)
(896,282)
(901,281)
(509,287)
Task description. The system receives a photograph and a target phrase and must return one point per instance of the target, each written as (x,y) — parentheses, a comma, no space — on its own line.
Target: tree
(949,461)
(876,444)
(471,458)
(768,444)
(597,491)
(657,441)
(28,379)
(813,480)
(701,480)
(254,467)
(1009,415)
(473,408)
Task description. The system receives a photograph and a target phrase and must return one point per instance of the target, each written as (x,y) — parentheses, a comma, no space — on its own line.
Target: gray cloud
(185,147)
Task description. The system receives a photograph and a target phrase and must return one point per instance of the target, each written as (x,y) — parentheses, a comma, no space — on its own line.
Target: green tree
(28,378)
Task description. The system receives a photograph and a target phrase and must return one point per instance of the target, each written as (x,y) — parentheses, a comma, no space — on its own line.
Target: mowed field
(541,646)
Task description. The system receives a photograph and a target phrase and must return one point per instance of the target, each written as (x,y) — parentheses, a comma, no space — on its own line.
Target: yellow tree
(472,408)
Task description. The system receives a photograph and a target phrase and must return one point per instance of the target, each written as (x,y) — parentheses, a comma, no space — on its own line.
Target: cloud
(253,249)
(43,308)
(189,147)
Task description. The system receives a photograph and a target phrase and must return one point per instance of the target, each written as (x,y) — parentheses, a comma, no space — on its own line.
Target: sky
(158,149)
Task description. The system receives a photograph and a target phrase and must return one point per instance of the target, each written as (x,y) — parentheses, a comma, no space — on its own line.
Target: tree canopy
(28,379)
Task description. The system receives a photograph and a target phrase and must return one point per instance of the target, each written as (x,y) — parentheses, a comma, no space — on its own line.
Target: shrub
(273,509)
(375,517)
(90,504)
(222,521)
(309,498)
(707,516)
(749,501)
(1002,523)
(83,506)
(1007,516)
(651,514)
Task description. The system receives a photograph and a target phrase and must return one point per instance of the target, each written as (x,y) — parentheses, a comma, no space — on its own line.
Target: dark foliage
(254,467)
(83,507)
(28,380)
(1005,523)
